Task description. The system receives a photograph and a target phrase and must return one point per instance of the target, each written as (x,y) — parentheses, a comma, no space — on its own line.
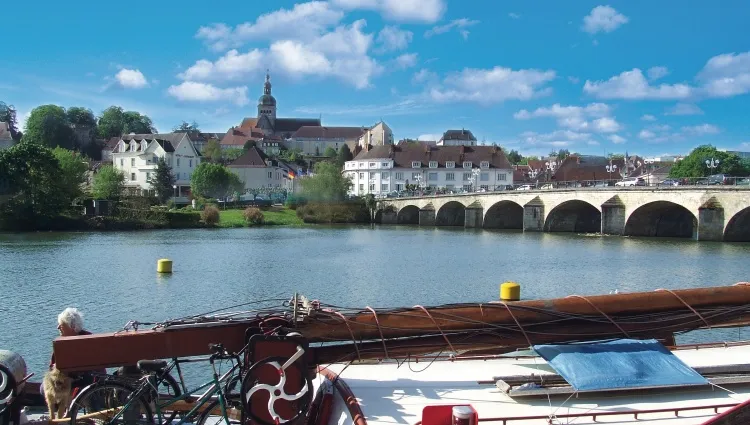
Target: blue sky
(593,77)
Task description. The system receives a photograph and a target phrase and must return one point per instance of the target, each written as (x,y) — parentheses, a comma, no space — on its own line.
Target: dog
(57,392)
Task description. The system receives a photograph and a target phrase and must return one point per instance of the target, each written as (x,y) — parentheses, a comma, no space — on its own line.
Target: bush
(253,215)
(349,212)
(183,219)
(210,215)
(294,201)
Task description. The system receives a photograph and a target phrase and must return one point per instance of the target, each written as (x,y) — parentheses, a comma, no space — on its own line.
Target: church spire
(267,85)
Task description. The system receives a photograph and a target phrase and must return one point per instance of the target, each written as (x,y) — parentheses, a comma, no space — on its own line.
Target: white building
(457,138)
(137,155)
(258,171)
(378,135)
(383,169)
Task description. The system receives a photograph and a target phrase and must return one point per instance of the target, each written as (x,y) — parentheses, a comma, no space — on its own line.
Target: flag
(290,174)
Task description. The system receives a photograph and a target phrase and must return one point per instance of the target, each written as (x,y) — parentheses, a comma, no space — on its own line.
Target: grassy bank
(275,216)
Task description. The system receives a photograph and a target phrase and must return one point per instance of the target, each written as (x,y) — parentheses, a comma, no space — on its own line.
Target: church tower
(267,105)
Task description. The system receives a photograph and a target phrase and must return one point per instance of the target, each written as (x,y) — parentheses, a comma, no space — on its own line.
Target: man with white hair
(69,323)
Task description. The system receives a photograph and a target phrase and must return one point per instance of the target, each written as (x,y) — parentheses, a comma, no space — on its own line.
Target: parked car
(744,182)
(669,182)
(524,187)
(719,179)
(633,181)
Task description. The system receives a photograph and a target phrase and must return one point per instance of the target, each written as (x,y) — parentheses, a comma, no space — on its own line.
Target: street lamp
(712,164)
(475,173)
(550,166)
(611,168)
(174,186)
(419,181)
(649,168)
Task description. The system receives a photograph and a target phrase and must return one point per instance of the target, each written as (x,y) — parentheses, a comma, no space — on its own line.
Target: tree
(327,184)
(73,168)
(229,155)
(330,152)
(214,181)
(81,117)
(8,115)
(163,181)
(694,165)
(48,125)
(249,145)
(109,183)
(114,122)
(371,205)
(514,157)
(31,174)
(185,126)
(212,151)
(344,155)
(562,154)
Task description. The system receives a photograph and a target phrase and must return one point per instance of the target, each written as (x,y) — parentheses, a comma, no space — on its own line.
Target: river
(112,277)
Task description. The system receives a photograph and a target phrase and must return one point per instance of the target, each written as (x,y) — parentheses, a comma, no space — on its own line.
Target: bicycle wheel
(212,414)
(98,403)
(167,389)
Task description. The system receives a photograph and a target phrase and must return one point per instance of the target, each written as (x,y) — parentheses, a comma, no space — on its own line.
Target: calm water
(111,277)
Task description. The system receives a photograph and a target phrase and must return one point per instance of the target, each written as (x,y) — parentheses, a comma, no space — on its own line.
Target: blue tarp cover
(624,363)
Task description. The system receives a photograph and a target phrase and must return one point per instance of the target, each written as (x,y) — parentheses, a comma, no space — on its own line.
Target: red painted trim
(355,410)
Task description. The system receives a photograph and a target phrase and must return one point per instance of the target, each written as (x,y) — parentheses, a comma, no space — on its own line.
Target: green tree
(73,168)
(81,117)
(562,154)
(8,115)
(229,155)
(214,181)
(48,125)
(31,174)
(212,151)
(371,205)
(114,122)
(249,145)
(186,126)
(694,165)
(330,152)
(163,181)
(514,157)
(109,183)
(327,184)
(344,155)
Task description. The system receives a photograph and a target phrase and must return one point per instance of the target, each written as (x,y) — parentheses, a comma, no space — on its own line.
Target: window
(361,176)
(148,177)
(178,162)
(386,175)
(414,176)
(416,164)
(372,187)
(399,176)
(373,176)
(399,187)
(361,165)
(484,177)
(384,165)
(190,163)
(372,165)
(467,177)
(450,164)
(467,164)
(132,176)
(361,187)
(484,164)
(432,176)
(433,164)
(450,177)
(384,188)
(501,177)
(122,162)
(132,162)
(156,159)
(270,174)
(467,187)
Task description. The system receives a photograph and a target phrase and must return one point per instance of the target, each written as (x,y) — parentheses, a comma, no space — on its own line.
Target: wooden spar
(322,325)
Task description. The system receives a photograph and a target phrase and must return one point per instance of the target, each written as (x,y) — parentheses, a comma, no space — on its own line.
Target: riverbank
(275,216)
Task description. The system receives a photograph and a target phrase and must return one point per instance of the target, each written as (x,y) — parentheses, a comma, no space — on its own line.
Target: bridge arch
(408,215)
(504,214)
(574,216)
(661,219)
(738,227)
(452,213)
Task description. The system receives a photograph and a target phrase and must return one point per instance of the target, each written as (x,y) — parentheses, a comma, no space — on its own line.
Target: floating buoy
(510,291)
(164,266)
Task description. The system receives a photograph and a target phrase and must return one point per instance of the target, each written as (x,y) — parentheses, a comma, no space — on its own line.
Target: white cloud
(429,137)
(190,91)
(557,138)
(656,72)
(458,24)
(514,15)
(131,79)
(603,19)
(230,67)
(633,85)
(422,11)
(726,75)
(684,109)
(646,134)
(616,139)
(304,20)
(648,117)
(574,80)
(592,143)
(701,130)
(407,60)
(576,117)
(606,125)
(494,85)
(663,133)
(391,38)
(424,75)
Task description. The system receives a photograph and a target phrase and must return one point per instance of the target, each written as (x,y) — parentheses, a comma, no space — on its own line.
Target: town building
(6,139)
(137,155)
(314,140)
(383,169)
(377,135)
(257,171)
(457,138)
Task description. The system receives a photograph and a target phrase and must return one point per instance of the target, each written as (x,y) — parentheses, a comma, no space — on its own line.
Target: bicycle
(114,402)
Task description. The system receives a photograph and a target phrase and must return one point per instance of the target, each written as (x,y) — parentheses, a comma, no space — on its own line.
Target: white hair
(71,317)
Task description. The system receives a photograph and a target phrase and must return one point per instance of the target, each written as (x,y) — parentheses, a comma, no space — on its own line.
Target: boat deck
(391,393)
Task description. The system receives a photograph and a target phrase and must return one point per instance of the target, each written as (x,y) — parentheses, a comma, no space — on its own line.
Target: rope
(346,322)
(377,322)
(601,312)
(517,324)
(686,305)
(438,327)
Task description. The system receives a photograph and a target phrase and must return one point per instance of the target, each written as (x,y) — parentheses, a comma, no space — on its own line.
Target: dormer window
(132,147)
(467,164)
(484,164)
(416,164)
(433,164)
(450,164)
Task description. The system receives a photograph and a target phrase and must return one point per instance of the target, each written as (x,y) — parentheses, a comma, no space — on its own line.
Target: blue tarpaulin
(619,364)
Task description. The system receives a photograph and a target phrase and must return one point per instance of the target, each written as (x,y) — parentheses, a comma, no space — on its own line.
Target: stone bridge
(712,213)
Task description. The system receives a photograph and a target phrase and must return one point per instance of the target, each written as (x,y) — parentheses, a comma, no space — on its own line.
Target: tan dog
(57,388)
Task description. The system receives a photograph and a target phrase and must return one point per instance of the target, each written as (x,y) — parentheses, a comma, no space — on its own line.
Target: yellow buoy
(164,266)
(510,291)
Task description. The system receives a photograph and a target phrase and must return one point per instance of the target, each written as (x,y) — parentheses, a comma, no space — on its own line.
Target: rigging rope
(346,322)
(377,322)
(438,327)
(600,312)
(518,324)
(686,305)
